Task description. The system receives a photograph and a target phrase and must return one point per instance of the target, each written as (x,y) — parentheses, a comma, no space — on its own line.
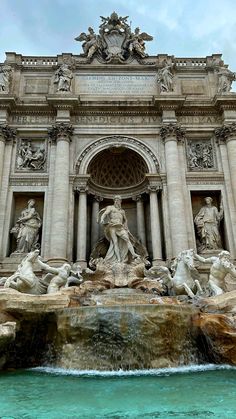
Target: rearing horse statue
(185,279)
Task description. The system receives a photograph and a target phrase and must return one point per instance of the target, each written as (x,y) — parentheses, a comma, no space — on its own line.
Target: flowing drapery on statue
(26,229)
(207,222)
(116,231)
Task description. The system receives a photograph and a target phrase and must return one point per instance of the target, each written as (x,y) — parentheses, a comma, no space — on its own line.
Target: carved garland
(120,140)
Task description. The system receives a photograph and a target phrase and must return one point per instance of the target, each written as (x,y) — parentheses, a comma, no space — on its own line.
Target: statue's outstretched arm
(204,260)
(46,267)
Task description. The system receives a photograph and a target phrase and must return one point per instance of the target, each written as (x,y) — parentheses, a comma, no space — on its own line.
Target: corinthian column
(95,224)
(61,134)
(170,134)
(7,136)
(226,139)
(82,224)
(140,219)
(155,224)
(227,134)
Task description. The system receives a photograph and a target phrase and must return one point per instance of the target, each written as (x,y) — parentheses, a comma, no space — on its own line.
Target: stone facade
(77,129)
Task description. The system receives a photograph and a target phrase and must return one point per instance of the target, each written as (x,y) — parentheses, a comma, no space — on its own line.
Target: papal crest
(115,42)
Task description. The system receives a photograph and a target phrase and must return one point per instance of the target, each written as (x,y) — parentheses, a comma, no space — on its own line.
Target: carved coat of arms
(115,42)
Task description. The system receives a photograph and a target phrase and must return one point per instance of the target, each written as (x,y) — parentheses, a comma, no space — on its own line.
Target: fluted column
(140,219)
(225,139)
(60,133)
(171,133)
(6,134)
(94,222)
(82,225)
(227,134)
(155,224)
(7,137)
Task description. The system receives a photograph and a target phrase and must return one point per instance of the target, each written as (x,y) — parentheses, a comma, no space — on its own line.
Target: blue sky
(179,27)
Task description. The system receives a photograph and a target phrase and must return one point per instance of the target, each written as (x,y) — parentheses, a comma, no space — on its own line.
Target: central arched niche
(117,168)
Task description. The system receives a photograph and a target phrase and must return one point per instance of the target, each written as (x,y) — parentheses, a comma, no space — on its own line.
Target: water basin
(47,393)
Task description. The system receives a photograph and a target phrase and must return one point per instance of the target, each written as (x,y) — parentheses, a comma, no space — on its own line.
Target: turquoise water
(190,392)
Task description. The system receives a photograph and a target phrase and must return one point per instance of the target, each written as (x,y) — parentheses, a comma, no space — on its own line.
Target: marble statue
(63,77)
(56,277)
(207,223)
(185,277)
(137,44)
(75,277)
(221,265)
(26,229)
(116,231)
(115,41)
(5,78)
(91,42)
(32,158)
(24,279)
(165,78)
(225,79)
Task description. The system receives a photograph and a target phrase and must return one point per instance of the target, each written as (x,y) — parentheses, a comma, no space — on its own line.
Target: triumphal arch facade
(76,130)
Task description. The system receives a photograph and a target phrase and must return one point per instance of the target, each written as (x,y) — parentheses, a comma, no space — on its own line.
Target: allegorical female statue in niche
(26,229)
(207,222)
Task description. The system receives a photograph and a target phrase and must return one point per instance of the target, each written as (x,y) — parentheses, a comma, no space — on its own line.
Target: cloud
(180,27)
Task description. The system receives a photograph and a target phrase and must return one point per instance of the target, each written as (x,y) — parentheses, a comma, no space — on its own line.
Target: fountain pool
(184,392)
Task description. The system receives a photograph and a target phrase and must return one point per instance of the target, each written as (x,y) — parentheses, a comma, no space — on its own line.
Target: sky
(183,28)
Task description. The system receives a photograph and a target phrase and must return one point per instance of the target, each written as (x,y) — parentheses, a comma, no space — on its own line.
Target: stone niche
(19,203)
(198,201)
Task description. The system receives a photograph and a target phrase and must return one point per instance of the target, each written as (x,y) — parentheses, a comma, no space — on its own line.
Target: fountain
(120,313)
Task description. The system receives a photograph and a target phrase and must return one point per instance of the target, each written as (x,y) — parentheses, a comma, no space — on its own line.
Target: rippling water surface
(187,392)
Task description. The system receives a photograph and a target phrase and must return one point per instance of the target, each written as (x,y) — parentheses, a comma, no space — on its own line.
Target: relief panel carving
(31,155)
(200,155)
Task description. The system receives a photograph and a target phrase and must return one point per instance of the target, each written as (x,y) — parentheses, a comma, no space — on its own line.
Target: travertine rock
(128,337)
(219,331)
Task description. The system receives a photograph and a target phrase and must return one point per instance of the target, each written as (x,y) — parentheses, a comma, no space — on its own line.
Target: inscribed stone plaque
(36,85)
(116,84)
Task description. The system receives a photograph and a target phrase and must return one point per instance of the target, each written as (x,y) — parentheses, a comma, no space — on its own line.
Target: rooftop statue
(63,77)
(165,77)
(5,78)
(225,79)
(115,41)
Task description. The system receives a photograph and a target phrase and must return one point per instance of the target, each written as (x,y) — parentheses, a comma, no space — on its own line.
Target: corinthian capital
(7,133)
(172,130)
(223,133)
(61,131)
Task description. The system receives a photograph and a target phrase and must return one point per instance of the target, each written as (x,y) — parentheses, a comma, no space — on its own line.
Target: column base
(83,263)
(158,261)
(57,261)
